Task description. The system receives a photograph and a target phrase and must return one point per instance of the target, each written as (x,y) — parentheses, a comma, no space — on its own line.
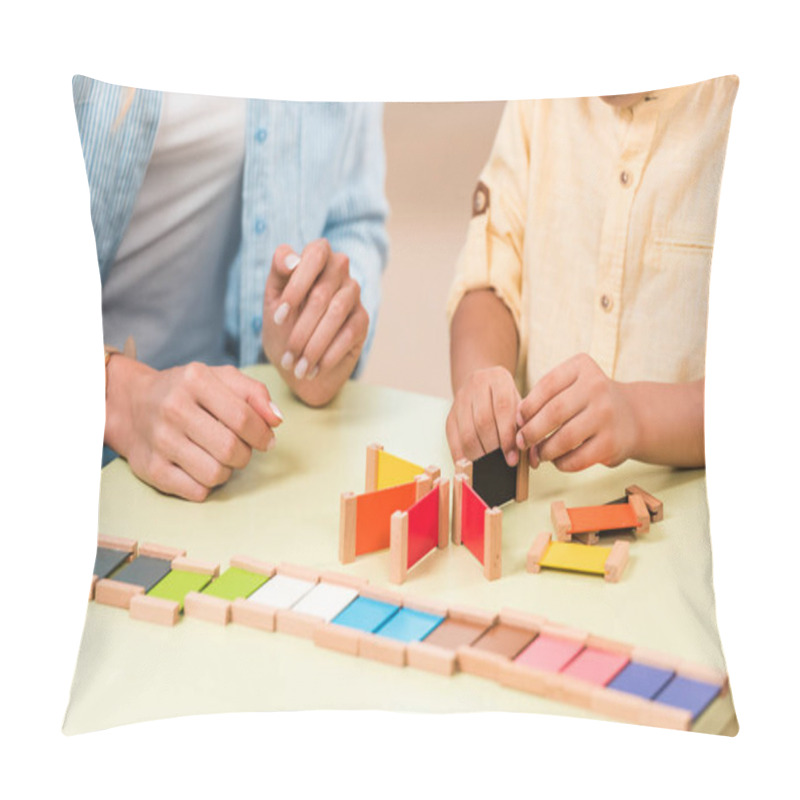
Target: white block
(326,600)
(281,591)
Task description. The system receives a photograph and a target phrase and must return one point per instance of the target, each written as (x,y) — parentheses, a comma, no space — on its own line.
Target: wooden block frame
(614,566)
(654,506)
(398,547)
(371,477)
(492,532)
(562,524)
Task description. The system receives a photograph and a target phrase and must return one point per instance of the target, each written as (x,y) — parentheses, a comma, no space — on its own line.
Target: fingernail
(276,411)
(291,261)
(287,360)
(313,374)
(281,313)
(300,369)
(511,458)
(271,444)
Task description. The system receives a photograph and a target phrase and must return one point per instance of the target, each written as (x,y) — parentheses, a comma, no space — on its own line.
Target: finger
(171,479)
(313,261)
(197,463)
(253,392)
(284,261)
(347,343)
(553,383)
(582,457)
(504,403)
(483,419)
(453,440)
(230,409)
(338,310)
(221,443)
(561,408)
(567,438)
(471,447)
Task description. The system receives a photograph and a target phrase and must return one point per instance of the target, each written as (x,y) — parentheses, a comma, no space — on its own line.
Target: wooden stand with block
(477,526)
(591,520)
(576,557)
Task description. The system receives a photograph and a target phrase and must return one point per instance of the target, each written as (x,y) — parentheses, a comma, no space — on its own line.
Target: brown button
(625,178)
(606,303)
(480,199)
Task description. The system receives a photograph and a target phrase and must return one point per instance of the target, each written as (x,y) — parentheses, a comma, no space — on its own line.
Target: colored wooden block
(393,471)
(253,615)
(253,565)
(153,550)
(455,633)
(281,591)
(493,480)
(337,637)
(195,565)
(295,623)
(207,607)
(108,560)
(505,640)
(382,648)
(235,582)
(598,667)
(118,543)
(159,610)
(654,506)
(642,680)
(115,593)
(325,601)
(365,614)
(342,579)
(548,653)
(144,571)
(296,571)
(177,584)
(409,625)
(691,695)
(483,663)
(568,522)
(609,562)
(431,658)
(481,530)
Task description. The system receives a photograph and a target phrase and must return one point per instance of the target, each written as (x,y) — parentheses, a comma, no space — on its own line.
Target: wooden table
(285,507)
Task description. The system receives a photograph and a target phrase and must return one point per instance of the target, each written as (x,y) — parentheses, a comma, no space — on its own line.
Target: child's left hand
(575,416)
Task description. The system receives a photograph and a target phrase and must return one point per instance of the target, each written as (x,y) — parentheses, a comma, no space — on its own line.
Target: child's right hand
(483,416)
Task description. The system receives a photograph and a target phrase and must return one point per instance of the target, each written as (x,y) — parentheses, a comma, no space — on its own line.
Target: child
(585,275)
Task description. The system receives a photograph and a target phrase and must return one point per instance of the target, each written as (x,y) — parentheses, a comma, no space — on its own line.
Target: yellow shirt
(595,226)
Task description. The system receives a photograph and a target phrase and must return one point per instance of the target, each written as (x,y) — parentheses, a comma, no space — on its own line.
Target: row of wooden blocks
(347,614)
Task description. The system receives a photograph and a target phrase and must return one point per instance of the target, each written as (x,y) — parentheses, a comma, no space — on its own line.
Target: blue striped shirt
(311,170)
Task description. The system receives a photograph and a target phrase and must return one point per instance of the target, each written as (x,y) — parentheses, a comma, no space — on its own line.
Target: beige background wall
(434,153)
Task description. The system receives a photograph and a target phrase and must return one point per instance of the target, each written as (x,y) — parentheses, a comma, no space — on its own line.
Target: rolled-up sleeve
(491,257)
(356,222)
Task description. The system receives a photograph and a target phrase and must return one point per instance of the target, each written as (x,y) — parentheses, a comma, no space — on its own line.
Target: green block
(178,584)
(235,583)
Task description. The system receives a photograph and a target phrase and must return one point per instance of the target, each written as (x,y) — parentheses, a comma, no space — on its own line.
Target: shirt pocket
(678,250)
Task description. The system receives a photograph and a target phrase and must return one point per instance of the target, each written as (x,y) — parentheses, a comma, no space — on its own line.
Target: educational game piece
(365,519)
(593,519)
(654,506)
(642,680)
(575,557)
(690,695)
(495,482)
(107,560)
(418,531)
(365,614)
(324,602)
(478,527)
(596,666)
(409,625)
(385,470)
(138,577)
(549,653)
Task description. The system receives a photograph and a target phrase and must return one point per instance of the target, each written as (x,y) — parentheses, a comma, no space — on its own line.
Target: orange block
(374,516)
(602,518)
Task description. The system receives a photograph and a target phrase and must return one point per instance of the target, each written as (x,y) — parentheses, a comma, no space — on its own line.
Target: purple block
(641,680)
(689,694)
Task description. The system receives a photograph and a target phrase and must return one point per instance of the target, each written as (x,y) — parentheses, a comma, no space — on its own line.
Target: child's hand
(483,416)
(575,416)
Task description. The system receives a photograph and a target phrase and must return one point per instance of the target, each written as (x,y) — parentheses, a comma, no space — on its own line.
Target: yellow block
(393,471)
(576,557)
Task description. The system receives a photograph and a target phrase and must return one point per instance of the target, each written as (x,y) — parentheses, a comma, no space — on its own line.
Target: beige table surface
(285,507)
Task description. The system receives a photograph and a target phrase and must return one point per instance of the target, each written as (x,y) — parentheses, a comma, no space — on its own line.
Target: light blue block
(408,625)
(365,614)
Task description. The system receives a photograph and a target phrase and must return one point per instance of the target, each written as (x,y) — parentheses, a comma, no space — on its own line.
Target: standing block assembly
(478,527)
(385,470)
(418,531)
(575,557)
(569,522)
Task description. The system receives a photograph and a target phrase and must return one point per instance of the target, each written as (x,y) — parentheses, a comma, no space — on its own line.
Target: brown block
(431,658)
(381,648)
(154,609)
(296,623)
(160,551)
(523,475)
(115,593)
(194,565)
(207,607)
(337,637)
(252,565)
(654,506)
(253,615)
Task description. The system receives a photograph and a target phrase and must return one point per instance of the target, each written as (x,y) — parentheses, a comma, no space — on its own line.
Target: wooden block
(253,615)
(561,522)
(394,471)
(612,646)
(586,538)
(381,648)
(526,679)
(341,579)
(642,514)
(282,591)
(347,528)
(94,583)
(426,606)
(548,653)
(398,547)
(483,663)
(296,623)
(596,666)
(617,560)
(118,543)
(576,557)
(458,482)
(464,467)
(454,633)
(444,514)
(433,472)
(154,609)
(539,547)
(619,705)
(658,715)
(493,545)
(563,632)
(523,476)
(296,571)
(696,672)
(567,689)
(371,483)
(252,565)
(160,551)
(194,565)
(653,658)
(207,607)
(654,506)
(337,637)
(382,595)
(522,619)
(423,484)
(325,601)
(475,616)
(115,593)
(431,658)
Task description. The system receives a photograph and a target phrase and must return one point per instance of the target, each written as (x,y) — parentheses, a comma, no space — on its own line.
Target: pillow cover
(580,593)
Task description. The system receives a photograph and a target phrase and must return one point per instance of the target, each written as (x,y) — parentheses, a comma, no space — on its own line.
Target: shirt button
(261,135)
(256,324)
(625,178)
(260,226)
(606,303)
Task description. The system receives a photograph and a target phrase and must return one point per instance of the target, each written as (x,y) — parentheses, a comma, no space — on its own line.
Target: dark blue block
(408,625)
(365,614)
(107,560)
(641,680)
(144,571)
(689,694)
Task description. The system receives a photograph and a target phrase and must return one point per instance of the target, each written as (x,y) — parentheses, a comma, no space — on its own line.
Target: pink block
(423,527)
(549,654)
(595,666)
(473,521)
